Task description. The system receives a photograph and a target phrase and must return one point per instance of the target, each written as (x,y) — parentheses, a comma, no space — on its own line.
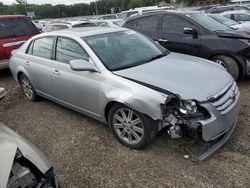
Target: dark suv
(199,35)
(14,31)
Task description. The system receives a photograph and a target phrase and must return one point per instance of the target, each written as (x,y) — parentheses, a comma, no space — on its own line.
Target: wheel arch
(237,60)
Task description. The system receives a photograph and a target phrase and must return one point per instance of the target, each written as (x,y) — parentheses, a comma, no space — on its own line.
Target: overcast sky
(54,2)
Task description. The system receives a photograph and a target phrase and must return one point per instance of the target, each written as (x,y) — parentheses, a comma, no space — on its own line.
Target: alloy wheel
(128,126)
(222,63)
(27,87)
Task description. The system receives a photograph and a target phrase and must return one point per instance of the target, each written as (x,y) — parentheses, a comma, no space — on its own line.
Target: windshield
(120,50)
(223,20)
(209,23)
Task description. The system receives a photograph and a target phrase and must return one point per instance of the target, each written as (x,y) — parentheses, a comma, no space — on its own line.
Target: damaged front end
(183,116)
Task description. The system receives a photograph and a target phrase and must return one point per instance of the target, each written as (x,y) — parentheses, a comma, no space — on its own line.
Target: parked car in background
(14,31)
(245,27)
(107,17)
(199,35)
(139,11)
(23,164)
(220,9)
(136,86)
(67,25)
(238,16)
(108,23)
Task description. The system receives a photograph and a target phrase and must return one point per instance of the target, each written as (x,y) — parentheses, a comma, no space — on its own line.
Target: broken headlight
(182,109)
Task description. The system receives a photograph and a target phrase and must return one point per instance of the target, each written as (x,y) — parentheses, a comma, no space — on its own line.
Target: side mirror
(82,65)
(2,93)
(188,30)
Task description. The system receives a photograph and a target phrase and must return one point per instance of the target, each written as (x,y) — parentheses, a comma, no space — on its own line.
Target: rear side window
(174,24)
(242,17)
(150,23)
(15,27)
(84,25)
(43,47)
(67,50)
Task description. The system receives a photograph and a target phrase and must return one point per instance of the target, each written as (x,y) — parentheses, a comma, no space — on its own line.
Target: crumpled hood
(28,150)
(187,76)
(233,34)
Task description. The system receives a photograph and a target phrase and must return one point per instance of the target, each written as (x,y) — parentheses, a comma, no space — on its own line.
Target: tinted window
(68,50)
(174,24)
(84,25)
(14,27)
(148,23)
(242,17)
(43,47)
(64,27)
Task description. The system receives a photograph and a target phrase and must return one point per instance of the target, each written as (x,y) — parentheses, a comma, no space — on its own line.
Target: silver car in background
(136,86)
(21,163)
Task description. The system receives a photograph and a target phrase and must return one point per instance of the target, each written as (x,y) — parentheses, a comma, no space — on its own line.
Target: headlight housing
(188,107)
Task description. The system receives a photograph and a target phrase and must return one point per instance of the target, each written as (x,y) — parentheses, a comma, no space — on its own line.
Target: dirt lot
(85,153)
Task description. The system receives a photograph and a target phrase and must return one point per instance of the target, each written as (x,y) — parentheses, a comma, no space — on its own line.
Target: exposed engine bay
(181,117)
(25,175)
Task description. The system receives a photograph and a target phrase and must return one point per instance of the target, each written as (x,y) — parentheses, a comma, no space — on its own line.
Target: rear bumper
(4,64)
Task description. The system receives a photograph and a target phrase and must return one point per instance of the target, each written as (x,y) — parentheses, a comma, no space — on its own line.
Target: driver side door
(76,89)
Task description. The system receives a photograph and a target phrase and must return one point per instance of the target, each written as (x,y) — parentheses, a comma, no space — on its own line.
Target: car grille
(226,99)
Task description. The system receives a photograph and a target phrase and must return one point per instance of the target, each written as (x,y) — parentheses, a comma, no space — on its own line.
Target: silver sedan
(128,81)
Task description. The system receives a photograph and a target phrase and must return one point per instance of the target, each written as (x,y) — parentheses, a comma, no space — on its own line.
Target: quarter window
(68,50)
(43,47)
(174,24)
(148,23)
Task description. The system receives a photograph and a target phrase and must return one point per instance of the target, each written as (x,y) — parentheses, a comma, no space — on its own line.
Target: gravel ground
(85,153)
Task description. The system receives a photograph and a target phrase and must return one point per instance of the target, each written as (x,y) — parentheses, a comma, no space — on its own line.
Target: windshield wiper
(156,57)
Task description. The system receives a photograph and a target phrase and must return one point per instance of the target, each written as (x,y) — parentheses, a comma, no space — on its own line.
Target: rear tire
(229,63)
(27,88)
(131,128)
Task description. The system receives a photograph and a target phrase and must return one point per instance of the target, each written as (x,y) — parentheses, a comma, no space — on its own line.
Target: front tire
(27,88)
(229,64)
(131,128)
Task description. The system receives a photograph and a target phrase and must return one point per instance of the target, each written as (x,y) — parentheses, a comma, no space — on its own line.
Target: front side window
(150,23)
(43,47)
(68,49)
(120,50)
(174,24)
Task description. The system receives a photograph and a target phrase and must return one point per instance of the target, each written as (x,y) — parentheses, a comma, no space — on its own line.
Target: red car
(14,31)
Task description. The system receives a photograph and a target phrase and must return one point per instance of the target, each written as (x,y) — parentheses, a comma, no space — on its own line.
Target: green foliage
(104,7)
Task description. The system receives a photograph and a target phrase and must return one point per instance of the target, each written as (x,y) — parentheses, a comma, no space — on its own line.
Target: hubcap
(222,63)
(27,87)
(128,126)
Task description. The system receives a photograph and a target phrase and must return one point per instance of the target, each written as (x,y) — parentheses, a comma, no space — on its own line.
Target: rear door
(149,25)
(39,64)
(13,33)
(172,35)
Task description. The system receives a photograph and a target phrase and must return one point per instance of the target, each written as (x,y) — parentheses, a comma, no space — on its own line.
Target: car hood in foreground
(187,76)
(27,149)
(238,34)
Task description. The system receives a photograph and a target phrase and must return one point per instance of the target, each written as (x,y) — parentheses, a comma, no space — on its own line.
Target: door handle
(162,40)
(27,63)
(56,72)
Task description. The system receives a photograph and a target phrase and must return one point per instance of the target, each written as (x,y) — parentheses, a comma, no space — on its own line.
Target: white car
(238,16)
(67,25)
(109,23)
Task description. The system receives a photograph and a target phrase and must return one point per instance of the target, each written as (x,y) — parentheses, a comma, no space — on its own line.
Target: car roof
(164,12)
(86,31)
(69,23)
(235,12)
(11,16)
